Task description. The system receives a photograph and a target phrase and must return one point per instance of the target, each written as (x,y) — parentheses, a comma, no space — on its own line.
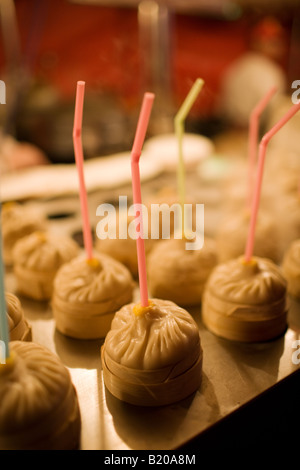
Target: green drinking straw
(179,129)
(4,333)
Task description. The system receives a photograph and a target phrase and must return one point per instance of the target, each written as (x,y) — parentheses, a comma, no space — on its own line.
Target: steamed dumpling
(122,249)
(289,221)
(17,323)
(160,337)
(36,260)
(260,282)
(39,407)
(291,268)
(231,237)
(87,294)
(17,222)
(152,355)
(178,274)
(246,301)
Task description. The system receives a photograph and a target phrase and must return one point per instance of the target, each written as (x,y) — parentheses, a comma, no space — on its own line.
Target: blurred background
(122,48)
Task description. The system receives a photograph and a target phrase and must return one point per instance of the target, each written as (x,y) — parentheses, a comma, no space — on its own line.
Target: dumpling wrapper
(232,235)
(18,221)
(291,269)
(152,358)
(19,329)
(86,295)
(122,249)
(36,260)
(178,274)
(39,406)
(246,302)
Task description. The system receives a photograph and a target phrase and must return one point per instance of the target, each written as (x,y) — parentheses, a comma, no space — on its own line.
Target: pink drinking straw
(136,188)
(87,234)
(253,139)
(261,159)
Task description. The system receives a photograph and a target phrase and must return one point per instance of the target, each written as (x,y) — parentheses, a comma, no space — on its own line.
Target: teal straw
(4,332)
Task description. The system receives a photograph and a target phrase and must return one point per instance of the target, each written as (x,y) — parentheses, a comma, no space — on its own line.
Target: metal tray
(233,373)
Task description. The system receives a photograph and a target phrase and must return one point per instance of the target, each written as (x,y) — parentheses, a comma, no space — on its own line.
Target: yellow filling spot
(93,262)
(8,366)
(138,309)
(41,236)
(251,262)
(8,205)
